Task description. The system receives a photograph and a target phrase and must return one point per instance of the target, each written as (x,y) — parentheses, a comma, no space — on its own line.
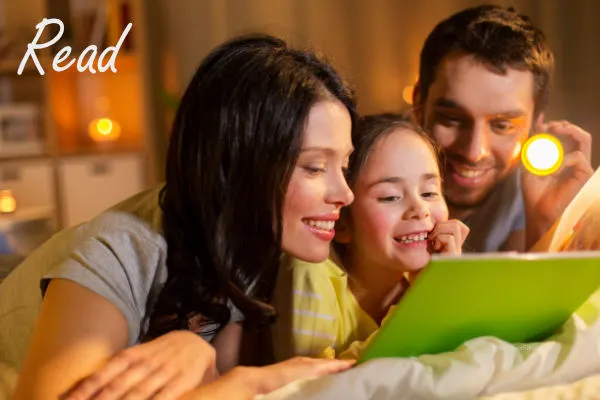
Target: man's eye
(449,120)
(502,126)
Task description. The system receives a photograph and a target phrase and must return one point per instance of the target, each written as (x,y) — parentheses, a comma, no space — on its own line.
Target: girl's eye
(430,195)
(388,199)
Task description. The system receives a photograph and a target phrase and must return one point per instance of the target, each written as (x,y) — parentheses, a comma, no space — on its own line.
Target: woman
(254,170)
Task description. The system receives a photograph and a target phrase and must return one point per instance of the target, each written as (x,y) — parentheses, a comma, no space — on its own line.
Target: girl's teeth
(324,225)
(413,238)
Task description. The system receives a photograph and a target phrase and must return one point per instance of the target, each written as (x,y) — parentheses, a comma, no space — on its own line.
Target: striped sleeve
(315,312)
(357,348)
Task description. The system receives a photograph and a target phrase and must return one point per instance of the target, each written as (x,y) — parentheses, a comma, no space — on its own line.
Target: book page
(578,229)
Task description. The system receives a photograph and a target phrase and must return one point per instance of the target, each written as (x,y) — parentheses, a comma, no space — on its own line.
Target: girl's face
(318,189)
(398,202)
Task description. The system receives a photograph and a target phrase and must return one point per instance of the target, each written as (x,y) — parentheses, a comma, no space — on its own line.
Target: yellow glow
(104,126)
(104,130)
(407,94)
(8,204)
(542,154)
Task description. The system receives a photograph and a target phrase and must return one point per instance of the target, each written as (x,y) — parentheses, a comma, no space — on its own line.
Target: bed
(566,366)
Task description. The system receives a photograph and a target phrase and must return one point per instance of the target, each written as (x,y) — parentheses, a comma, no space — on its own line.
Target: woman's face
(317,189)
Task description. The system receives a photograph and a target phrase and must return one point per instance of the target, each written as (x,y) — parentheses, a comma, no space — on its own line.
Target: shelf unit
(74,175)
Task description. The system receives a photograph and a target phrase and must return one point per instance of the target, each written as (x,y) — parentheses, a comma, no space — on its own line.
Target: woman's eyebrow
(323,149)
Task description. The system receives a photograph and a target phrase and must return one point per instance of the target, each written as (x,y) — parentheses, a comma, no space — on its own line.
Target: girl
(399,217)
(197,253)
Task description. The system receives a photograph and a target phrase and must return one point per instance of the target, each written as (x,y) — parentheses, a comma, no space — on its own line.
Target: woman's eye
(314,170)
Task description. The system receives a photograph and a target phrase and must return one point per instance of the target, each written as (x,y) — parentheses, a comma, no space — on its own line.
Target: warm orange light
(407,94)
(104,130)
(8,204)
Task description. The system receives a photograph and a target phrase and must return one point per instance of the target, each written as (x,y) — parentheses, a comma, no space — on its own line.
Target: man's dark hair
(496,36)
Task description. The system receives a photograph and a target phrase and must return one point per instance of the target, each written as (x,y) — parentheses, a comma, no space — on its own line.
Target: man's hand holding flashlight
(546,197)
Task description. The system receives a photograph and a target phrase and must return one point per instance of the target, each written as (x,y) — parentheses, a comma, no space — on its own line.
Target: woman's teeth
(413,238)
(324,225)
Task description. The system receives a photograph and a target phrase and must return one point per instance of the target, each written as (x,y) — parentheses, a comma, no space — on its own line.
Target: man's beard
(464,206)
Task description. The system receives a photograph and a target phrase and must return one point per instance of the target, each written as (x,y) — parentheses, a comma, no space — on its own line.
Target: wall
(376,43)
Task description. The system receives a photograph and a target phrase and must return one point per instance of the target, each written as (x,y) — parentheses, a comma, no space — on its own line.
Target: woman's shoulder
(125,229)
(137,218)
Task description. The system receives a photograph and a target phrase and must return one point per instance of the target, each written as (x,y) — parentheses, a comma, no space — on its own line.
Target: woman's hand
(274,376)
(246,382)
(448,237)
(164,368)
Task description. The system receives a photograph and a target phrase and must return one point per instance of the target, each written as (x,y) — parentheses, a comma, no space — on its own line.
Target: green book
(516,297)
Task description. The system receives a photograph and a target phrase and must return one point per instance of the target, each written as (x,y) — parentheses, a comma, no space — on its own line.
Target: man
(484,81)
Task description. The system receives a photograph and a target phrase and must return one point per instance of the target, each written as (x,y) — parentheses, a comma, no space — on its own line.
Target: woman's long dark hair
(235,141)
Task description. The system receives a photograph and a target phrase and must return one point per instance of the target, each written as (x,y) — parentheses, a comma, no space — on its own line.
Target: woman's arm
(77,332)
(244,383)
(227,345)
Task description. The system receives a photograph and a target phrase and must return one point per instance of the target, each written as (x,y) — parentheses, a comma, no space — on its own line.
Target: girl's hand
(448,237)
(164,368)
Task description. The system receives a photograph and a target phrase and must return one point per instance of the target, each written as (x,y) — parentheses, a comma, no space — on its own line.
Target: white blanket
(485,367)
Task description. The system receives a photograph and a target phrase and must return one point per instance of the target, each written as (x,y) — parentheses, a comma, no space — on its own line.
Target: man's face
(481,118)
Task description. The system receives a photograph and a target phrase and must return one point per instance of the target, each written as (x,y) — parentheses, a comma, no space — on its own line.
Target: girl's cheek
(378,221)
(440,213)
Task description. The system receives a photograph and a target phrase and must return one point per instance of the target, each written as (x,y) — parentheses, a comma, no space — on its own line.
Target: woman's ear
(343,230)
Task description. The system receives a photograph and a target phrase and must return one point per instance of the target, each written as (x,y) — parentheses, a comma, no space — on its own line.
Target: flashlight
(542,154)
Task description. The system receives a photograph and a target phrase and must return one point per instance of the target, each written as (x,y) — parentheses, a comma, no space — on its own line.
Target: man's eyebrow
(509,114)
(446,103)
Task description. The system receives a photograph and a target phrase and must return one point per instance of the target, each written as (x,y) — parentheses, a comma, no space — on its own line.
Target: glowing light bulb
(542,154)
(104,130)
(8,204)
(407,94)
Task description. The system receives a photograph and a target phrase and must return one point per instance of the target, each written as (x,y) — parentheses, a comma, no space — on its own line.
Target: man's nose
(476,144)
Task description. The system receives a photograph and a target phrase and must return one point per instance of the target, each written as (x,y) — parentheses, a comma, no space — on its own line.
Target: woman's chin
(310,255)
